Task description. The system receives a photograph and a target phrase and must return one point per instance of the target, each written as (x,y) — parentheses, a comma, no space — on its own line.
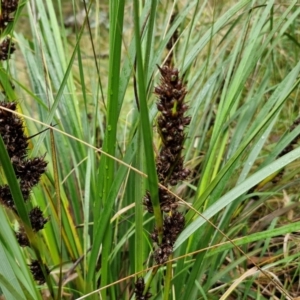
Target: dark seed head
(37,272)
(22,237)
(37,219)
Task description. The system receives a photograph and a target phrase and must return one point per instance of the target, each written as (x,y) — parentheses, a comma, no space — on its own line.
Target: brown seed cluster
(167,201)
(12,131)
(7,48)
(172,227)
(22,237)
(139,290)
(37,219)
(37,271)
(171,123)
(8,8)
(28,172)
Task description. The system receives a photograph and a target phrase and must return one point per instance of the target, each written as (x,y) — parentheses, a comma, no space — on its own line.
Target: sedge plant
(103,87)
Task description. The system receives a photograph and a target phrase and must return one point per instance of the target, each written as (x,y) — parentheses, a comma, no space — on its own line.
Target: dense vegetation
(149,149)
